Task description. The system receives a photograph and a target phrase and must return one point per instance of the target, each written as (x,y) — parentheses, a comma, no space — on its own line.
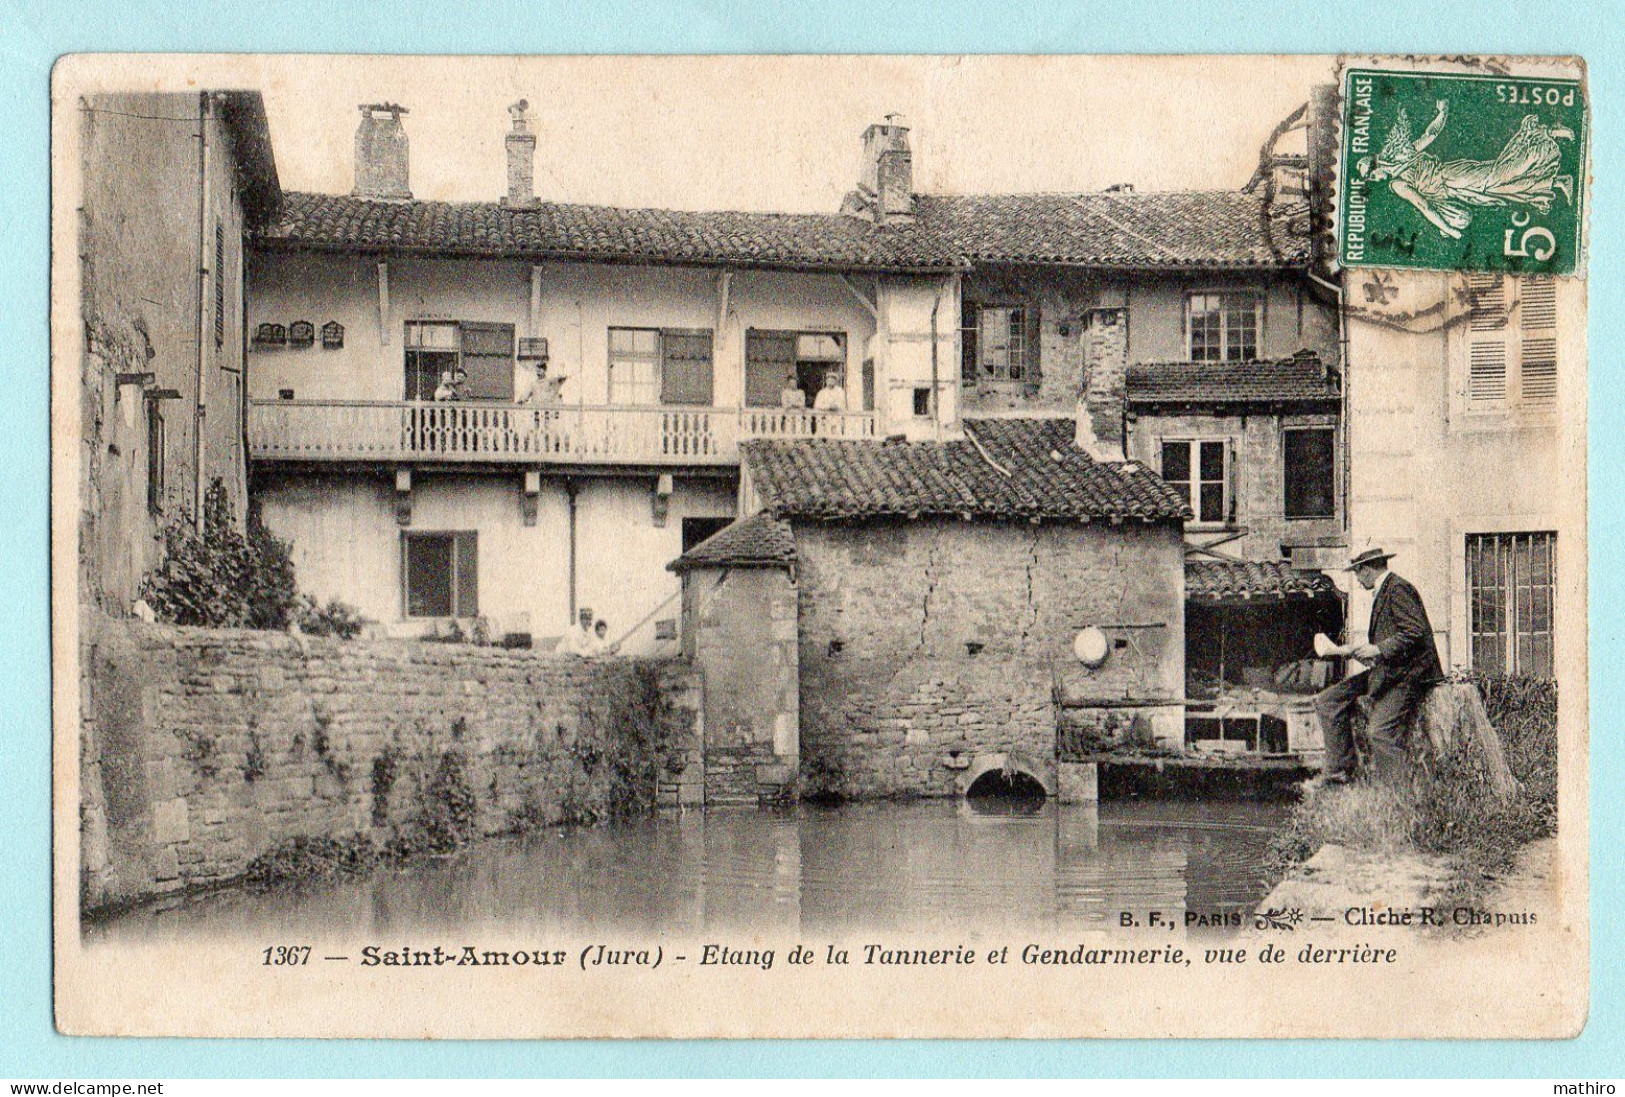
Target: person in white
(578,639)
(832,397)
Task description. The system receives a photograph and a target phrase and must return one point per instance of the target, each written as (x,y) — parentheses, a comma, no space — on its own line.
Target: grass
(1447,809)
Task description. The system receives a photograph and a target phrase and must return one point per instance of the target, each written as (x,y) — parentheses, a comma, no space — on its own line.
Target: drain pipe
(570,497)
(936,395)
(204,262)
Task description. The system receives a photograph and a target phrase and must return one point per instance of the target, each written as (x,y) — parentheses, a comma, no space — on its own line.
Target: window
(1511,587)
(156,440)
(1200,471)
(1311,456)
(649,366)
(696,530)
(479,355)
(777,362)
(431,349)
(922,403)
(440,574)
(219,284)
(1000,343)
(1511,342)
(1224,327)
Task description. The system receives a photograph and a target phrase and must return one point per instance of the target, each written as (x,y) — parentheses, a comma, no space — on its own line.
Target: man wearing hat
(1403,665)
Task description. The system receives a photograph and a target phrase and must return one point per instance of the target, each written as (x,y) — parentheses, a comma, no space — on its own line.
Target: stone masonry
(926,645)
(202,748)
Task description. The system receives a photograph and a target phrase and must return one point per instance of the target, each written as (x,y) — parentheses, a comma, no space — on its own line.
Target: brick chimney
(381,153)
(885,193)
(521,146)
(1102,403)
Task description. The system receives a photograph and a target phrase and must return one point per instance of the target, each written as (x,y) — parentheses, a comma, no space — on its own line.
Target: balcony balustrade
(348,430)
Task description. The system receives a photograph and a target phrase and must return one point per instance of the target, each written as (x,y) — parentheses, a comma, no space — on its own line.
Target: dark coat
(1403,636)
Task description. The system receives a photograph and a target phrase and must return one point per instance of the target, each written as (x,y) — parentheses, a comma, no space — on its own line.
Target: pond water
(814,868)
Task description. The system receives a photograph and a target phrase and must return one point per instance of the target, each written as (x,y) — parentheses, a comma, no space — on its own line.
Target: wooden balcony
(513,434)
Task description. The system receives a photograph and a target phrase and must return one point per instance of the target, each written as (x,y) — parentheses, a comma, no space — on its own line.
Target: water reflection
(833,869)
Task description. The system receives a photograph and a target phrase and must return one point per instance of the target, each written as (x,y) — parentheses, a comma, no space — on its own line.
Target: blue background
(33,33)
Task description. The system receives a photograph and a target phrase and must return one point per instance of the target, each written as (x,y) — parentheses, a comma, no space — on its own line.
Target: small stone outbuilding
(938,591)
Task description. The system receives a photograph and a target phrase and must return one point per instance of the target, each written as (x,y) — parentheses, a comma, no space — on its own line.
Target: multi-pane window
(999,343)
(1224,327)
(1200,470)
(1511,341)
(433,349)
(999,346)
(1511,587)
(440,574)
(1310,472)
(649,366)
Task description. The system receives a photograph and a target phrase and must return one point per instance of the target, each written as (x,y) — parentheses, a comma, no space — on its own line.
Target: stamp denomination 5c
(1445,171)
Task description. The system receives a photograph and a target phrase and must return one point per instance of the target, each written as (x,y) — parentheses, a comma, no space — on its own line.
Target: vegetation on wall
(219,577)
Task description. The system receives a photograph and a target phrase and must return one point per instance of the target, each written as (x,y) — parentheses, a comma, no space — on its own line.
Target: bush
(334,619)
(305,859)
(220,578)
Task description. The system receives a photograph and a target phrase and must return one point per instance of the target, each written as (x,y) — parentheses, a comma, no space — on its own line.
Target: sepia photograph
(820,545)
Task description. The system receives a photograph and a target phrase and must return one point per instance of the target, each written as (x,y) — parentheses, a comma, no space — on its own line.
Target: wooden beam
(383,302)
(862,298)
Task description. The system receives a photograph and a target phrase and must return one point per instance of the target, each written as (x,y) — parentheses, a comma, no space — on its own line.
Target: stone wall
(927,646)
(1259,482)
(740,626)
(202,749)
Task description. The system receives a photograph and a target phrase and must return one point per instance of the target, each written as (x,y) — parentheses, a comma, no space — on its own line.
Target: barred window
(1511,590)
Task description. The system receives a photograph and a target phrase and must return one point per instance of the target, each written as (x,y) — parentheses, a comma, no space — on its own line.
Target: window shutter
(219,284)
(1487,339)
(770,366)
(1230,479)
(1034,343)
(468,574)
(970,318)
(685,376)
(1537,361)
(488,361)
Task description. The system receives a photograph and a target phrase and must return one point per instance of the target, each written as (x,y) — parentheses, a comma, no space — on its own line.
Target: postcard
(820,546)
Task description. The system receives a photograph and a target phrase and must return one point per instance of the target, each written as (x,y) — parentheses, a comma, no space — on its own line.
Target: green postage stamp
(1444,171)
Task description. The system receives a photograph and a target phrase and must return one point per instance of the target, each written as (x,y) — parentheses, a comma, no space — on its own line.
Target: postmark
(1458,171)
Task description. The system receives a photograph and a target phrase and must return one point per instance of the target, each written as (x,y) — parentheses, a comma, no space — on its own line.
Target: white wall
(1424,474)
(346,543)
(908,332)
(578,303)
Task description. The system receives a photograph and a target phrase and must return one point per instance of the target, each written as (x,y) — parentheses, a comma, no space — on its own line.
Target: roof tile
(758,541)
(1289,380)
(1021,468)
(1173,229)
(1227,581)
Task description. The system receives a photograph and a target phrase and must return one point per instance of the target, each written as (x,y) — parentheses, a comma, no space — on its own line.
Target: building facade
(171,183)
(1466,412)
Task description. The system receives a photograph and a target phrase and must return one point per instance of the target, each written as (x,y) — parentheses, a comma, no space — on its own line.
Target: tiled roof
(1173,230)
(1224,581)
(1023,468)
(1288,380)
(605,233)
(760,541)
(1176,229)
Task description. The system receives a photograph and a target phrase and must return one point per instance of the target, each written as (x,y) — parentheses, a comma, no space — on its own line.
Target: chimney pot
(887,186)
(381,153)
(521,148)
